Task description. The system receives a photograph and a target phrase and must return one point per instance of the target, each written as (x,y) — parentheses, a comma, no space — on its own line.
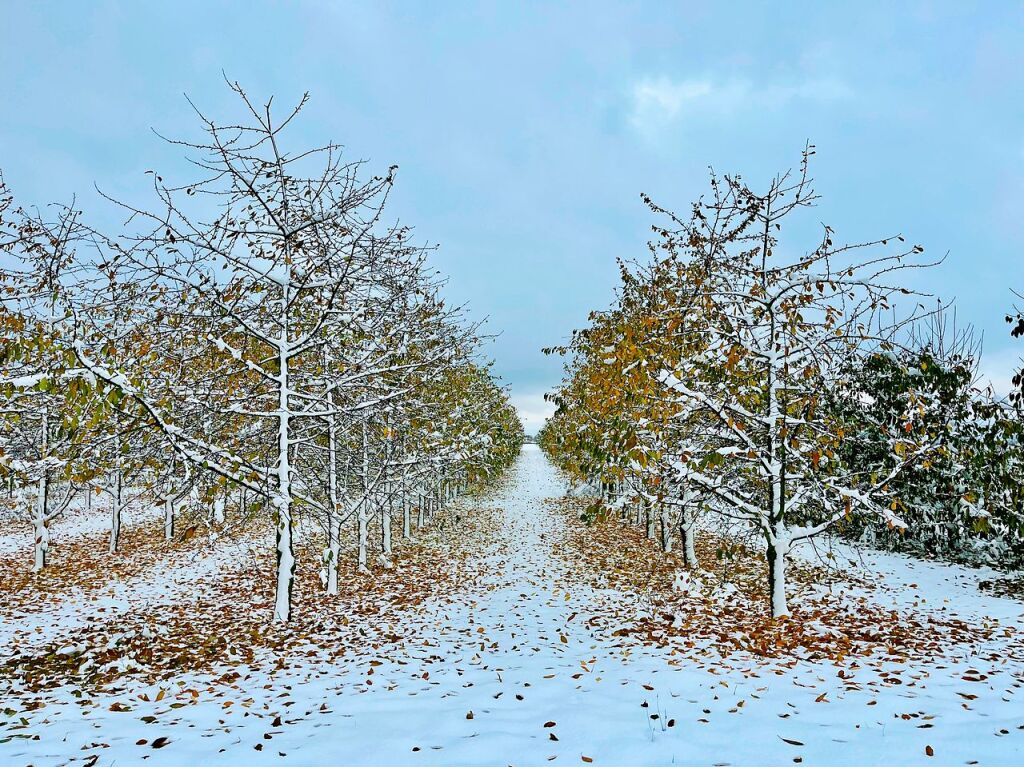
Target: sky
(525,132)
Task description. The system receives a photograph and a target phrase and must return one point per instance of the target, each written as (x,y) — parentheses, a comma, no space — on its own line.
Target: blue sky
(525,132)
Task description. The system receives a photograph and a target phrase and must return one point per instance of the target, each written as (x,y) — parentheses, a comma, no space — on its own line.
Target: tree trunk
(688,537)
(776,555)
(362,517)
(362,534)
(333,551)
(40,529)
(666,529)
(41,534)
(168,517)
(778,538)
(282,499)
(116,506)
(285,558)
(385,524)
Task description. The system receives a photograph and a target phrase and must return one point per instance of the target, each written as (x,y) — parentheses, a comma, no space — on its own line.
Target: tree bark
(688,537)
(116,506)
(666,528)
(333,552)
(282,498)
(41,531)
(776,556)
(385,523)
(362,532)
(168,517)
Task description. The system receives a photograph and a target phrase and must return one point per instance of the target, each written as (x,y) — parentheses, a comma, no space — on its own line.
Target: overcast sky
(525,132)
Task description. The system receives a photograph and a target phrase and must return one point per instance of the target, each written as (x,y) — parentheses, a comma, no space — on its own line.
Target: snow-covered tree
(265,324)
(46,411)
(745,339)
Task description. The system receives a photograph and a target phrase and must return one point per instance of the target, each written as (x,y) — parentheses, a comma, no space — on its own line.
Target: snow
(24,382)
(76,522)
(481,673)
(908,582)
(188,574)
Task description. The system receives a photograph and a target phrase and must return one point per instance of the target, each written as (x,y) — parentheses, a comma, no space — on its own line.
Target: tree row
(743,383)
(258,342)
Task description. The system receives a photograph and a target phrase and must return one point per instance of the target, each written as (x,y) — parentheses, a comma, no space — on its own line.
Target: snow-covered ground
(188,573)
(75,522)
(508,671)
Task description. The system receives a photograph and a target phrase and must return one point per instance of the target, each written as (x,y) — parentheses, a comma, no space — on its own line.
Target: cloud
(533,410)
(660,102)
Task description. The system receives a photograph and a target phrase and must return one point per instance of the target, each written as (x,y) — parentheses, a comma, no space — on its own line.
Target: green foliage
(966,501)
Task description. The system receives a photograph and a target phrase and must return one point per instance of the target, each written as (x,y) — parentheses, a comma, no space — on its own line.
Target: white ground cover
(76,521)
(508,672)
(184,574)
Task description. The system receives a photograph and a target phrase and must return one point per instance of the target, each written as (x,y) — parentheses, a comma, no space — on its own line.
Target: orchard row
(781,392)
(257,339)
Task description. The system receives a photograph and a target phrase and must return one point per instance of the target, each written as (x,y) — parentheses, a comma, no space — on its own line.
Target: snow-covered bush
(964,502)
